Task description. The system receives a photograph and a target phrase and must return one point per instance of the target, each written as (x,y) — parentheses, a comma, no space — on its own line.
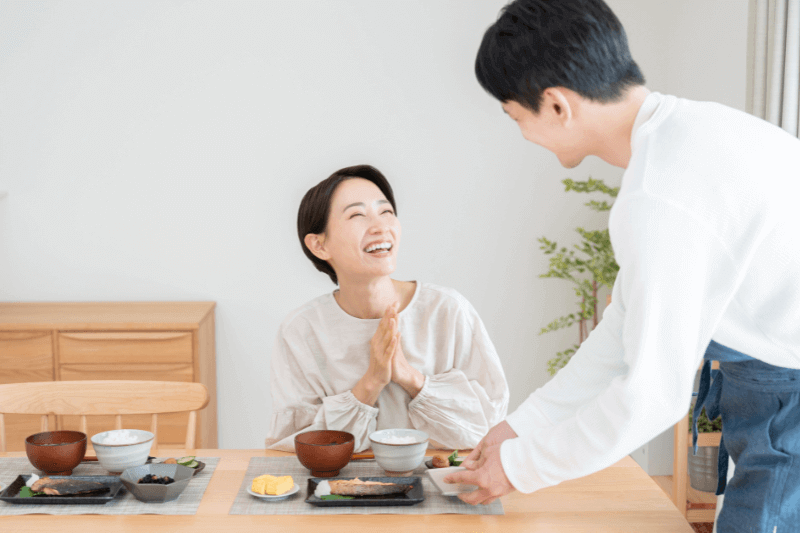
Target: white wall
(158,151)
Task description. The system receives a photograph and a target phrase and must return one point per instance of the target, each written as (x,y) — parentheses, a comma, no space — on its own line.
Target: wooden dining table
(621,498)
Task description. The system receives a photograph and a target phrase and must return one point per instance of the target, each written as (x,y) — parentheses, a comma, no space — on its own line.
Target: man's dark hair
(316,207)
(536,44)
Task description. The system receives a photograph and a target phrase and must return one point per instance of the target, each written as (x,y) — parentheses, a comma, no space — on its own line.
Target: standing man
(706,232)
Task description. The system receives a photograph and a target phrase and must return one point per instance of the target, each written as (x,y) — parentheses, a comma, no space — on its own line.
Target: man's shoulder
(718,124)
(704,150)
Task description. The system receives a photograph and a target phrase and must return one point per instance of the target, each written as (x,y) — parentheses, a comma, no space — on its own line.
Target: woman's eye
(356,215)
(388,211)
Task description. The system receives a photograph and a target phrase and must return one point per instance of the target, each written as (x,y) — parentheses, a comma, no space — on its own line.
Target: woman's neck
(371,298)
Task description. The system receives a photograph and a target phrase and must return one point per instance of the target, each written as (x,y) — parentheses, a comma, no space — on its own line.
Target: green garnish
(453,459)
(335,497)
(186,461)
(26,492)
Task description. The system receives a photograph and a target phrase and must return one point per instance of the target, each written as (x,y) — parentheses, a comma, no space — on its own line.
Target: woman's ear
(316,243)
(557,106)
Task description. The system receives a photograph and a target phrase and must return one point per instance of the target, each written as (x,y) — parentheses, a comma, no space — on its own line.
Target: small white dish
(437,475)
(277,497)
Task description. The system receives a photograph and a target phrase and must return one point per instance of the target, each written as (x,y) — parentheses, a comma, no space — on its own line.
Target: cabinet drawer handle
(126,336)
(22,335)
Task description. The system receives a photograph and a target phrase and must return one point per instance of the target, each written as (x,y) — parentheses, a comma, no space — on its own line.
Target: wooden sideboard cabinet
(161,341)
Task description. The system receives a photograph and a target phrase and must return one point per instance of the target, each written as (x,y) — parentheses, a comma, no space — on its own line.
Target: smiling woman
(378,353)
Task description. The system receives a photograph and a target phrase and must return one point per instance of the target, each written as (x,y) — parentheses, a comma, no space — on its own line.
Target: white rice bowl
(122,448)
(399,451)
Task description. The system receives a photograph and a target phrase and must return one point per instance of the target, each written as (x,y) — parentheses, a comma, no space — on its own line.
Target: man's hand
(485,469)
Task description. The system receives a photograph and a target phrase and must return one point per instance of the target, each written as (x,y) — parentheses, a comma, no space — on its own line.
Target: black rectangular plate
(412,497)
(11,494)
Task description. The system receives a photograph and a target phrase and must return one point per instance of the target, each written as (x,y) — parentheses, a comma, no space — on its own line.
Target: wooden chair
(90,398)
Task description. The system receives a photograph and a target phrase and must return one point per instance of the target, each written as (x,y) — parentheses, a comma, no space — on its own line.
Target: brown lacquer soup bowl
(56,452)
(324,451)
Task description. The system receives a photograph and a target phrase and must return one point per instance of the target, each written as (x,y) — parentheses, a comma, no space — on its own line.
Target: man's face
(549,128)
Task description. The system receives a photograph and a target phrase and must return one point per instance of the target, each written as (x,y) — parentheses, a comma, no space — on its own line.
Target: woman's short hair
(315,207)
(536,44)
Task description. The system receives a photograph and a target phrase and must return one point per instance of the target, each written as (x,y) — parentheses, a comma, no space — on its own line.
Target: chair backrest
(87,398)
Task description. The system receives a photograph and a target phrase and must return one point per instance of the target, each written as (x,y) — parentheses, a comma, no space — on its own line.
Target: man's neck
(611,126)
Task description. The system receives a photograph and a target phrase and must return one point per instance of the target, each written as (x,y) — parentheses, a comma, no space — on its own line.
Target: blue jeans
(760,408)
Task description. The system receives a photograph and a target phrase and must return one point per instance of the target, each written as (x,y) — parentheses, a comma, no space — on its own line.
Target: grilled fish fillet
(356,487)
(66,486)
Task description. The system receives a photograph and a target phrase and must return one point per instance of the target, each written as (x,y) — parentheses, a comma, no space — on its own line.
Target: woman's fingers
(379,337)
(385,349)
(391,349)
(387,330)
(391,331)
(384,323)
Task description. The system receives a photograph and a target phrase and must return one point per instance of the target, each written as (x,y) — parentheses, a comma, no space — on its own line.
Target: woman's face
(363,233)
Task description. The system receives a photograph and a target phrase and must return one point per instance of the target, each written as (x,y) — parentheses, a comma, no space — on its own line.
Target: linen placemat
(434,502)
(186,504)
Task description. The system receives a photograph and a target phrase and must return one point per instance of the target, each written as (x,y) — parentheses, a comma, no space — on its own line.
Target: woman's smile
(379,249)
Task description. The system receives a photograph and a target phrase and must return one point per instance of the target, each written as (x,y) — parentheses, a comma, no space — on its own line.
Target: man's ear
(316,243)
(557,106)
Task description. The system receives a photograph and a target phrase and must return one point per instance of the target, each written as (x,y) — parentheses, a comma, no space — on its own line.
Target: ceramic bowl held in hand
(399,451)
(122,448)
(437,475)
(154,492)
(324,451)
(56,452)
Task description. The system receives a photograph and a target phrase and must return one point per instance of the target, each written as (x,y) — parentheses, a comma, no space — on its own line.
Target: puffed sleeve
(302,400)
(457,407)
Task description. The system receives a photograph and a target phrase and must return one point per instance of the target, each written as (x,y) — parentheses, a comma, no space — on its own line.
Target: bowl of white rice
(122,448)
(399,451)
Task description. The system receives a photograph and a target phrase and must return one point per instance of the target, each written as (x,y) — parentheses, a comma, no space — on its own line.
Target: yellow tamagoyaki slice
(274,486)
(259,485)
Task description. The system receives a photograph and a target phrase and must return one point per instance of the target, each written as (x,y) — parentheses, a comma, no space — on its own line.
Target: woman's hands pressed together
(382,348)
(387,362)
(403,373)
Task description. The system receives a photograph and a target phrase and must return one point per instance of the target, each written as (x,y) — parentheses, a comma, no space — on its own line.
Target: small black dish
(412,497)
(11,494)
(200,465)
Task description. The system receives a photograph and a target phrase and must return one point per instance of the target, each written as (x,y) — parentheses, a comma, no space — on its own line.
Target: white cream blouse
(321,352)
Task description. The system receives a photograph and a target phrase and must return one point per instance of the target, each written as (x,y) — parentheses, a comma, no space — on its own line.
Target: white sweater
(706,232)
(321,352)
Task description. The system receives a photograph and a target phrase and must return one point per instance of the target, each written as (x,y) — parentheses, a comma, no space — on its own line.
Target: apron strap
(708,395)
(722,467)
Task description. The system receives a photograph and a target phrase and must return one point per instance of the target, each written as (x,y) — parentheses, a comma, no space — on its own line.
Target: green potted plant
(589,266)
(703,466)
